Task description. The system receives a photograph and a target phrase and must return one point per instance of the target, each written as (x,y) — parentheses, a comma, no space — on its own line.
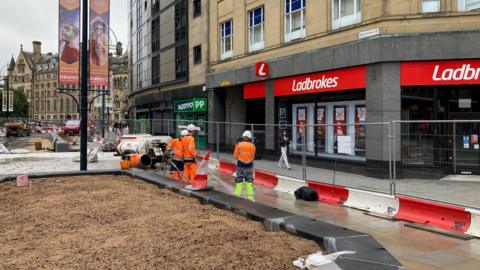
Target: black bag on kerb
(306,194)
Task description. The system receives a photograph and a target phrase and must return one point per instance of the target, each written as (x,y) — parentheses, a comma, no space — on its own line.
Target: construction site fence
(435,160)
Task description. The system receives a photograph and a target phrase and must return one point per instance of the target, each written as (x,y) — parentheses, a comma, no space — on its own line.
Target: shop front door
(464,143)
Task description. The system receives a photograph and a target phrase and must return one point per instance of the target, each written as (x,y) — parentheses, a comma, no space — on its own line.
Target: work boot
(250,194)
(238,189)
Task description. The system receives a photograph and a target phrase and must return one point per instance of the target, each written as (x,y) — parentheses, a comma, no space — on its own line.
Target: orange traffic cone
(200,181)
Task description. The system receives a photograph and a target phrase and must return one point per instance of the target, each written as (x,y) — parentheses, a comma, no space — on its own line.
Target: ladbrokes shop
(349,95)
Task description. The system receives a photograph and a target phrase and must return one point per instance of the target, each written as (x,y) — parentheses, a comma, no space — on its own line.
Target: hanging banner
(108,95)
(69,43)
(99,36)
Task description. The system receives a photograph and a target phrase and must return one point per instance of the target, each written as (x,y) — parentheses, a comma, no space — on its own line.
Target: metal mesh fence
(438,160)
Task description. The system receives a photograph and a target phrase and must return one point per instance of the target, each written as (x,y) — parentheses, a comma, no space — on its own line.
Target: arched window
(48,105)
(55,105)
(61,105)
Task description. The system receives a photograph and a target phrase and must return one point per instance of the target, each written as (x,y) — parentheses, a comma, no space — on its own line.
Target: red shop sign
(261,69)
(440,72)
(328,81)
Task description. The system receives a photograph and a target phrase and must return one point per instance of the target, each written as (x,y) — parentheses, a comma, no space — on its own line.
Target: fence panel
(438,160)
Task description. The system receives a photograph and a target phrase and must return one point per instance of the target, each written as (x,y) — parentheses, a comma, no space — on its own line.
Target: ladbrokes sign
(440,72)
(334,80)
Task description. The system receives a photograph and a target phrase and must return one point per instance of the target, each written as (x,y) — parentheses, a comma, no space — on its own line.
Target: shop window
(468,5)
(197,54)
(430,6)
(294,19)
(197,8)
(226,34)
(346,12)
(180,62)
(255,29)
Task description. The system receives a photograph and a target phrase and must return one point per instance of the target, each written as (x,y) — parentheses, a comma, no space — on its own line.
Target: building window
(430,6)
(180,62)
(226,32)
(346,12)
(468,5)
(156,69)
(294,19)
(255,29)
(156,34)
(197,54)
(197,8)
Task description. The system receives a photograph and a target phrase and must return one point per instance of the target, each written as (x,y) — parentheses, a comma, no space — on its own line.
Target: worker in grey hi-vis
(245,155)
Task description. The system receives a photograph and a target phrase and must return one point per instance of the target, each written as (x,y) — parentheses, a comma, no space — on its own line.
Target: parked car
(72,127)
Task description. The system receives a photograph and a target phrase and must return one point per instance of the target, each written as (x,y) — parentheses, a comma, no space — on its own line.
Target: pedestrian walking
(245,155)
(284,142)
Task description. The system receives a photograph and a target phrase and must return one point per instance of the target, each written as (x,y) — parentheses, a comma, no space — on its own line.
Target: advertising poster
(340,120)
(301,120)
(69,43)
(321,121)
(108,95)
(98,38)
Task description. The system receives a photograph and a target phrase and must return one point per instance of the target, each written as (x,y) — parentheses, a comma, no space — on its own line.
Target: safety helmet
(184,132)
(191,127)
(247,134)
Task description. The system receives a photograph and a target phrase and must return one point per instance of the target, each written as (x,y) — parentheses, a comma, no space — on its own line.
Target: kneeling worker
(176,147)
(245,154)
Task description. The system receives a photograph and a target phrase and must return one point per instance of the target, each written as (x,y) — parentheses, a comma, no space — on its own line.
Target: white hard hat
(191,127)
(247,134)
(184,132)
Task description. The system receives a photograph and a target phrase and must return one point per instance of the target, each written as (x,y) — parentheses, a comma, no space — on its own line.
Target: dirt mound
(98,222)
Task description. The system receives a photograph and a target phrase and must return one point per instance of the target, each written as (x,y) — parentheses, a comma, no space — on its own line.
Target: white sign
(465,103)
(344,144)
(369,33)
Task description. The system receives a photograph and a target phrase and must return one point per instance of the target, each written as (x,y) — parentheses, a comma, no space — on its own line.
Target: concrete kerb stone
(374,202)
(288,185)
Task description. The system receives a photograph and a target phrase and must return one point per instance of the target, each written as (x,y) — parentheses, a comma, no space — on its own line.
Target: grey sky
(23,21)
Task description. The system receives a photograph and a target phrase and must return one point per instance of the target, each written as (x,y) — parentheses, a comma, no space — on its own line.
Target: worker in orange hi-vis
(176,148)
(245,155)
(190,153)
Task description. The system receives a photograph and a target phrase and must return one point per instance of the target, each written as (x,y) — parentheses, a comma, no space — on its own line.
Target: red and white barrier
(374,202)
(444,216)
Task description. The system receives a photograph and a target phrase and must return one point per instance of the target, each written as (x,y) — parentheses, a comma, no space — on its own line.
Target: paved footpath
(52,162)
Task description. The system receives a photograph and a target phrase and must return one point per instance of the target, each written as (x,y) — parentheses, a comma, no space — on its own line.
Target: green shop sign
(191,105)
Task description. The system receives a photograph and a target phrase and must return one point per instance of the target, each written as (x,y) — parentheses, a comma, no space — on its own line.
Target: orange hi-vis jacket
(245,153)
(189,152)
(176,146)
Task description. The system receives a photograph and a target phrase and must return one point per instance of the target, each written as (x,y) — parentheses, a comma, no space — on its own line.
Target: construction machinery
(16,129)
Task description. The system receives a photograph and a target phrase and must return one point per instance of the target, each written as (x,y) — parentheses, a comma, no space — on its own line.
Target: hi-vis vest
(245,152)
(177,148)
(189,152)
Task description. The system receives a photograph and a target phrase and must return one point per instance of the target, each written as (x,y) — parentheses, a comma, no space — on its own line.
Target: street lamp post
(84,88)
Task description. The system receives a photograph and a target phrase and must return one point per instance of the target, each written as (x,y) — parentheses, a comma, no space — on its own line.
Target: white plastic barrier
(213,164)
(372,202)
(474,228)
(288,185)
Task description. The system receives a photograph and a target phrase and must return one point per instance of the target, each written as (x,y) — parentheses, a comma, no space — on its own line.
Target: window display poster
(282,113)
(340,120)
(361,114)
(321,121)
(301,120)
(344,145)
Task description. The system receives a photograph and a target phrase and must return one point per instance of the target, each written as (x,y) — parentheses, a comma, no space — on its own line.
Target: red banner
(69,43)
(99,38)
(328,81)
(440,72)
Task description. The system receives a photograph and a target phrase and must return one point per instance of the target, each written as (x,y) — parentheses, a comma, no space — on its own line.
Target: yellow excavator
(17,129)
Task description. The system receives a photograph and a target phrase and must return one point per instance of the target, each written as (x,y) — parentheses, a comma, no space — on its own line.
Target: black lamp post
(84,88)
